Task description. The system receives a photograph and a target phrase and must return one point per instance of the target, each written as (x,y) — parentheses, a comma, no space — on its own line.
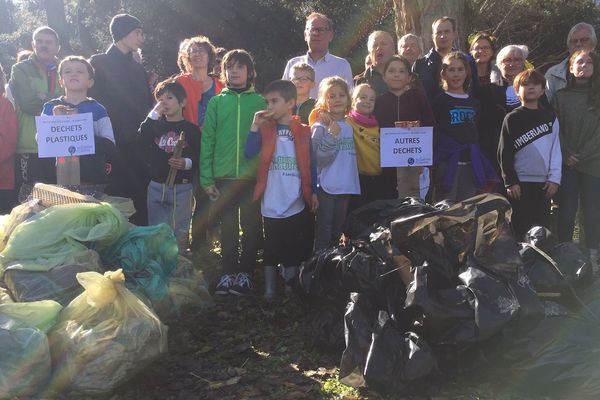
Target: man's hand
(260,117)
(63,109)
(212,192)
(314,203)
(551,188)
(514,192)
(177,163)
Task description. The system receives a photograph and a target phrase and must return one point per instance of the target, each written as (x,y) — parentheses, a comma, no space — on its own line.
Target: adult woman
(498,99)
(483,48)
(196,59)
(578,110)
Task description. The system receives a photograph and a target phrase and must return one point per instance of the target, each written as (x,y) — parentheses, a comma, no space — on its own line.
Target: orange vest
(301,134)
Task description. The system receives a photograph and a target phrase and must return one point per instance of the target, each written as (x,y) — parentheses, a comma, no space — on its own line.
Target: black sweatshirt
(157,140)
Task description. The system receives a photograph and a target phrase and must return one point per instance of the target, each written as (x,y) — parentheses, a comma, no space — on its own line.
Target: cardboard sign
(65,135)
(406,147)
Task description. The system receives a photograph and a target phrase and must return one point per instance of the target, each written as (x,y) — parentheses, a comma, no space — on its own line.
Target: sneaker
(242,285)
(225,284)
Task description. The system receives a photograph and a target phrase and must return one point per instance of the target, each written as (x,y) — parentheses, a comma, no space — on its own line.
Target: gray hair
(411,36)
(579,27)
(374,34)
(512,48)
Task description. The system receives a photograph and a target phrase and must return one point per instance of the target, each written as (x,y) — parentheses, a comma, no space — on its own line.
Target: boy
(158,136)
(302,76)
(286,181)
(227,177)
(529,154)
(76,76)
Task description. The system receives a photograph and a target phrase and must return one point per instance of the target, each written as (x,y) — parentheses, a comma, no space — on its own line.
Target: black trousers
(533,208)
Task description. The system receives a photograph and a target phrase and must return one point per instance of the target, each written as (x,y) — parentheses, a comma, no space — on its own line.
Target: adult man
(411,47)
(428,67)
(581,36)
(33,82)
(121,86)
(380,45)
(318,34)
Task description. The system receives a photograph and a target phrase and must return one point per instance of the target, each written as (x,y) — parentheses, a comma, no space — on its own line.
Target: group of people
(287,165)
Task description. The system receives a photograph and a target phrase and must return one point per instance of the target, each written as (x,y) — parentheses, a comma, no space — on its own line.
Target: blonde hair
(304,67)
(324,88)
(357,90)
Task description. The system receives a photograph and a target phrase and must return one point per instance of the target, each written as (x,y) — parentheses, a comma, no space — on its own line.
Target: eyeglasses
(582,40)
(314,31)
(302,79)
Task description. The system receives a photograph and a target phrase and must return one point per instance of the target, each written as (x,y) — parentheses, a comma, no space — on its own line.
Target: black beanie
(122,24)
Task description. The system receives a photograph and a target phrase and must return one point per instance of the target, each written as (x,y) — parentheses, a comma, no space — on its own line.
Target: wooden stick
(176,154)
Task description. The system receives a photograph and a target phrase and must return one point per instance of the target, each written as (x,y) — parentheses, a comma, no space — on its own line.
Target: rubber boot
(270,282)
(290,276)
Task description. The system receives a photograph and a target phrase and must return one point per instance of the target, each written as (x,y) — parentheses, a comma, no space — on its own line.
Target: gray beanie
(122,24)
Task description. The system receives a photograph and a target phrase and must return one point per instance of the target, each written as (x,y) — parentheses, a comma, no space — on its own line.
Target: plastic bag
(55,234)
(148,256)
(187,287)
(104,337)
(25,363)
(18,215)
(59,283)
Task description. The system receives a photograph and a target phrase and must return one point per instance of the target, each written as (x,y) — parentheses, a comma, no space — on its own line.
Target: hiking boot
(225,284)
(242,285)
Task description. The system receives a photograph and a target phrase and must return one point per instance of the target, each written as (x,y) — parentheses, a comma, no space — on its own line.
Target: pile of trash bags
(82,294)
(422,291)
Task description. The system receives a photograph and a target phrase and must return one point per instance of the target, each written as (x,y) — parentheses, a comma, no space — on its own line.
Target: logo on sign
(410,161)
(72,150)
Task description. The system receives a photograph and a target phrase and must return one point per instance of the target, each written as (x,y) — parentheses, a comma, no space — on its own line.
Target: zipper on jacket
(237,150)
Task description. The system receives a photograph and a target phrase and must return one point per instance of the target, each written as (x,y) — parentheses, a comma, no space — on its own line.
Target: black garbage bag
(477,227)
(359,323)
(561,270)
(541,237)
(396,358)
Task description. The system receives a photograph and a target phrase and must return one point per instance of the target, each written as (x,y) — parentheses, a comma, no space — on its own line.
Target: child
(402,105)
(227,177)
(337,169)
(373,184)
(303,77)
(286,181)
(578,110)
(461,167)
(158,137)
(76,76)
(8,147)
(529,154)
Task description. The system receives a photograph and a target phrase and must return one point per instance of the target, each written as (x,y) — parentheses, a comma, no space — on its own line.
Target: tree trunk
(57,20)
(416,16)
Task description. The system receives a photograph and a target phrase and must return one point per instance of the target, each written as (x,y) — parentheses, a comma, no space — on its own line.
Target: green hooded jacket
(228,119)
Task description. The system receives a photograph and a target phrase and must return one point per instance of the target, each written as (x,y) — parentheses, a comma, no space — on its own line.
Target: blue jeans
(576,185)
(331,215)
(172,206)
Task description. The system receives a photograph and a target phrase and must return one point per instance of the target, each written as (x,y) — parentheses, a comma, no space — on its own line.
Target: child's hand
(63,109)
(571,160)
(260,117)
(324,117)
(334,128)
(514,192)
(177,163)
(314,203)
(212,192)
(159,108)
(551,188)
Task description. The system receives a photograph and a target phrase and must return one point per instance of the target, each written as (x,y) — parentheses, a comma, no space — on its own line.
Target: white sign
(65,135)
(406,147)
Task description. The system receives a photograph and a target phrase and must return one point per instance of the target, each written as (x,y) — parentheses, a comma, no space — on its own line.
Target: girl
(402,105)
(366,139)
(8,146)
(461,168)
(578,110)
(337,170)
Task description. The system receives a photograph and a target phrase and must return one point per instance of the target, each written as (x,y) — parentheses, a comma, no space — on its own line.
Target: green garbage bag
(148,256)
(49,238)
(36,314)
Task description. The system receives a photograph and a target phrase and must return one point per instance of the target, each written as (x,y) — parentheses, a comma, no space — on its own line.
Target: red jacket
(8,144)
(301,134)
